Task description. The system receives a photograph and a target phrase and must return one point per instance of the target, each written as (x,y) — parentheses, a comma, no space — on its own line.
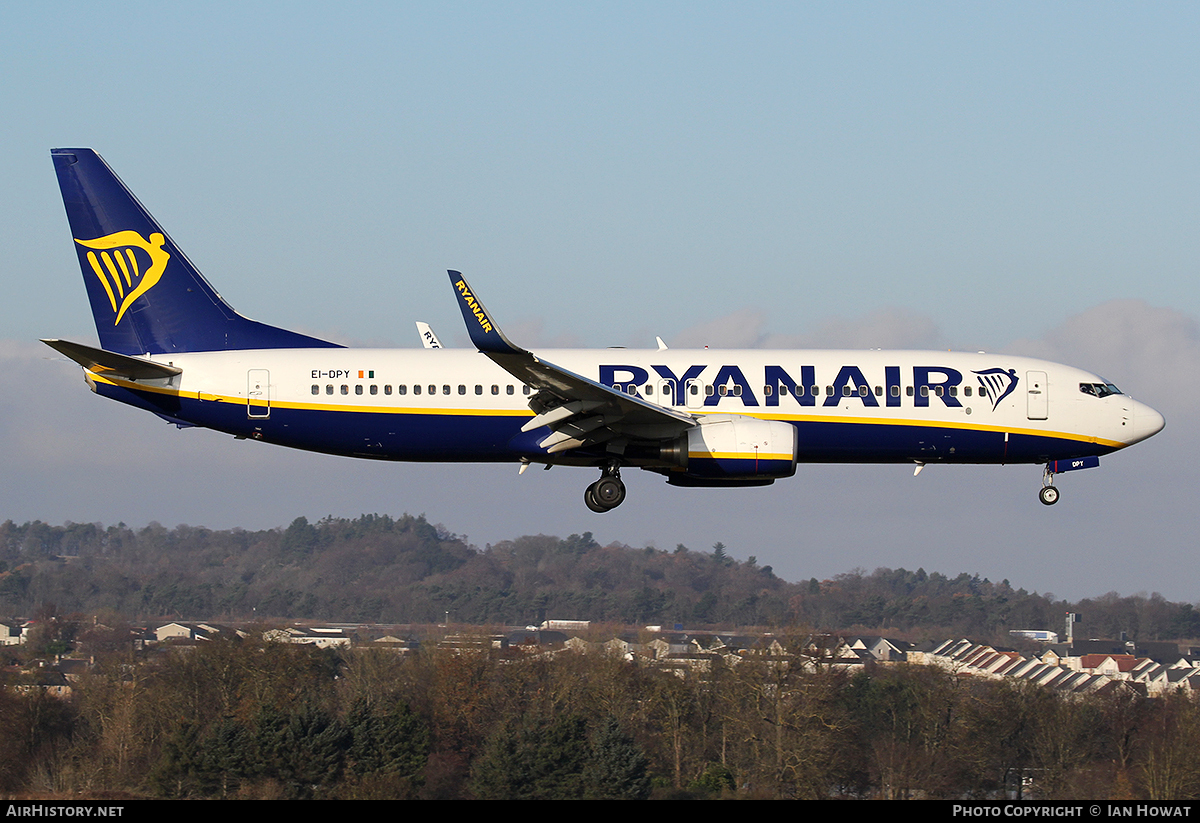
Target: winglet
(485,334)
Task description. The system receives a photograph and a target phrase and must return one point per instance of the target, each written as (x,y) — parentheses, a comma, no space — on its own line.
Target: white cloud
(890,328)
(742,329)
(1152,352)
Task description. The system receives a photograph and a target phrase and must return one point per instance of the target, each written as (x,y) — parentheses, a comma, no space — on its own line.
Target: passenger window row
(417,388)
(709,390)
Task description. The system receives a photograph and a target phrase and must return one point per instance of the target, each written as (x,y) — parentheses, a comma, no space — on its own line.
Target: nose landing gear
(606,493)
(1048,495)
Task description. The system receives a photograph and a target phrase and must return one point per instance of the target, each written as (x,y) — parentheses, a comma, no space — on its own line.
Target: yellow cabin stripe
(737,456)
(476,412)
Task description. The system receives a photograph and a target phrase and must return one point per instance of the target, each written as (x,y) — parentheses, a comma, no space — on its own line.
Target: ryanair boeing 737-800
(170,345)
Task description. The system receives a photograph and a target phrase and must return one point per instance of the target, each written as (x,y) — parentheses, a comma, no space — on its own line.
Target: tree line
(253,719)
(380,569)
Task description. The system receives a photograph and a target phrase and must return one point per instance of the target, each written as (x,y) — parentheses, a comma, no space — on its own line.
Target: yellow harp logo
(125,273)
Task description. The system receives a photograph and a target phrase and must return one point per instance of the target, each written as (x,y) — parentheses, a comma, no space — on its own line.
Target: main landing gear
(606,493)
(1048,495)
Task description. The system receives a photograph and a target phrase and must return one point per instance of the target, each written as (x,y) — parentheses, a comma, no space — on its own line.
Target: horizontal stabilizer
(108,363)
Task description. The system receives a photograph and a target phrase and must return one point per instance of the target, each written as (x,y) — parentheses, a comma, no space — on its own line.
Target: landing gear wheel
(589,498)
(1048,495)
(609,491)
(606,493)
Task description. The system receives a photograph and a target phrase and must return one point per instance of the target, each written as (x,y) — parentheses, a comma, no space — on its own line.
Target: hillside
(377,568)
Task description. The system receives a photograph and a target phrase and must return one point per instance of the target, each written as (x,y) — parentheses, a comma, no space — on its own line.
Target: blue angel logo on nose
(997,384)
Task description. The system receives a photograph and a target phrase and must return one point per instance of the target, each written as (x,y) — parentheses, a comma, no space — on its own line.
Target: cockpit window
(1099,389)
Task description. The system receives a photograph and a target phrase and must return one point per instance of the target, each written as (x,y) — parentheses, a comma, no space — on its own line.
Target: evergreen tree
(394,743)
(304,751)
(616,767)
(176,772)
(224,761)
(534,762)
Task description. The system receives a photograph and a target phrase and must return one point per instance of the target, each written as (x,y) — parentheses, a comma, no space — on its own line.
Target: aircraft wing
(579,411)
(100,361)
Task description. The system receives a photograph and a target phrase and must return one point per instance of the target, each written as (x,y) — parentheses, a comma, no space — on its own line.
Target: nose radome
(1146,422)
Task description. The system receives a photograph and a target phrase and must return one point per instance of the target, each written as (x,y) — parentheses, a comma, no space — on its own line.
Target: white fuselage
(848,406)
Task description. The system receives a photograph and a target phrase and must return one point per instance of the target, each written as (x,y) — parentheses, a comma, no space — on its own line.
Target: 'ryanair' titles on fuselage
(808,388)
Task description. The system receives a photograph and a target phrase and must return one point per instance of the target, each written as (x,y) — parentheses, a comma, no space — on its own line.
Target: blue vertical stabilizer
(146,296)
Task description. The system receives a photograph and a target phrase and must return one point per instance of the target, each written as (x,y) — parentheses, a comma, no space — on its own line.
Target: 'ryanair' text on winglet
(486,336)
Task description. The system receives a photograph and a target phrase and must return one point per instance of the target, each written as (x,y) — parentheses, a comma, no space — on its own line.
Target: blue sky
(1012,177)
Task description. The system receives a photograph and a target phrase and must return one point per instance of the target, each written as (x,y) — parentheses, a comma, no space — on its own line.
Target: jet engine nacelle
(734,447)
